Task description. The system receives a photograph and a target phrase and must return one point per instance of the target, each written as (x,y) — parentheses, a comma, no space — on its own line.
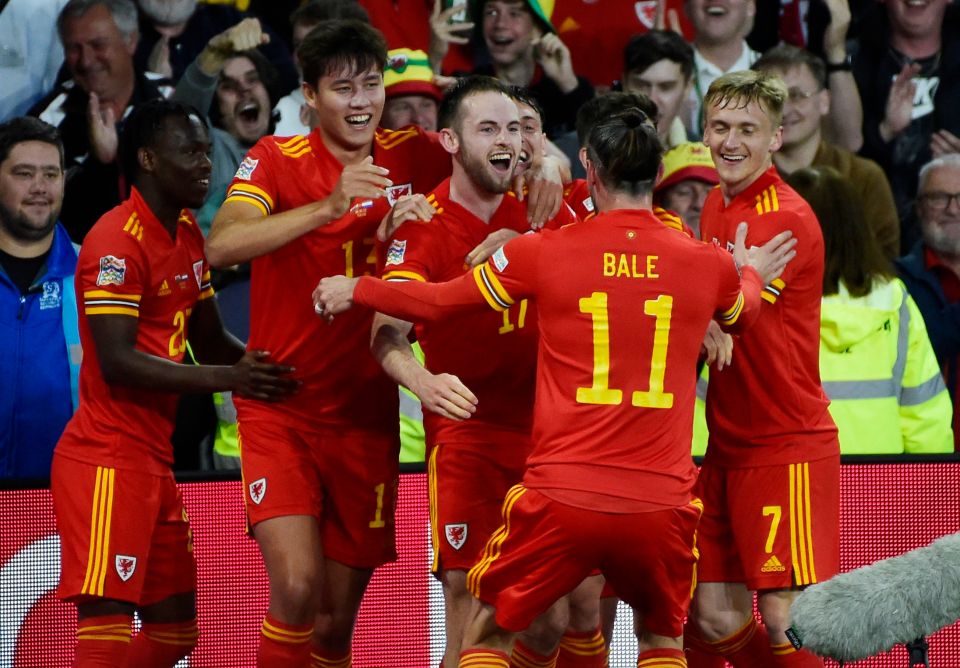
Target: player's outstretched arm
(408,300)
(209,339)
(241,231)
(443,393)
(489,246)
(115,337)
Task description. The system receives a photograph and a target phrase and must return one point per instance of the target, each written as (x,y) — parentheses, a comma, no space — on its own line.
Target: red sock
(582,650)
(324,658)
(747,648)
(483,658)
(524,657)
(786,656)
(662,658)
(162,645)
(699,652)
(102,641)
(283,645)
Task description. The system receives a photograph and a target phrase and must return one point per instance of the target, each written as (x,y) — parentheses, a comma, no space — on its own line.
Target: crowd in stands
(870,136)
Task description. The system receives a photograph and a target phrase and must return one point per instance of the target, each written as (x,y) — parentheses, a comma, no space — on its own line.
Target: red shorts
(123,534)
(467,484)
(770,527)
(544,549)
(346,479)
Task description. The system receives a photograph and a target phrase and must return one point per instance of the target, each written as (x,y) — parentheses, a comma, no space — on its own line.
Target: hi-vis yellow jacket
(886,392)
(879,370)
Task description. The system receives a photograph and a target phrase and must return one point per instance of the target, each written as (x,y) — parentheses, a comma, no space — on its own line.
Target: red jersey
(621,323)
(597,32)
(129,265)
(768,406)
(494,354)
(342,383)
(577,196)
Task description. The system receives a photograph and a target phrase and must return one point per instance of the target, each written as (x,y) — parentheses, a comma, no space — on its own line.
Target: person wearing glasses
(804,144)
(931,270)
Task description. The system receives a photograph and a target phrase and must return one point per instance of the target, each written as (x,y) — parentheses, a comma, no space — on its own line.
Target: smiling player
(321,470)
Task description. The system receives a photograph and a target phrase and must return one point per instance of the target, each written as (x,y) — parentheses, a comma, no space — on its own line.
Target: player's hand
(445,395)
(899,110)
(544,183)
(943,142)
(769,259)
(256,379)
(364,182)
(489,246)
(554,57)
(407,208)
(333,295)
(717,346)
(102,127)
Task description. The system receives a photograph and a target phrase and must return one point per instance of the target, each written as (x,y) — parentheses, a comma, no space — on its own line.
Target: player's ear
(777,140)
(582,154)
(309,93)
(449,140)
(145,159)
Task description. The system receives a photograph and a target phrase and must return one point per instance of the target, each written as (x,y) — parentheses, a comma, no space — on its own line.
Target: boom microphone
(870,609)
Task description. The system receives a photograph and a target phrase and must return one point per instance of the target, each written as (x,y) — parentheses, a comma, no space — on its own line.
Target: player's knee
(584,614)
(294,597)
(712,625)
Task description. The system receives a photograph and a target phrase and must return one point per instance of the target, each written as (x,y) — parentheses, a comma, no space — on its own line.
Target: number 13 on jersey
(600,391)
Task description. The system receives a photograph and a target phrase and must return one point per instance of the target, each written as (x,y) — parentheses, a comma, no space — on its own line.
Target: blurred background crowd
(871,138)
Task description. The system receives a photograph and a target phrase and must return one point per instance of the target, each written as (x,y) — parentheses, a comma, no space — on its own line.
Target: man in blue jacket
(931,270)
(39,343)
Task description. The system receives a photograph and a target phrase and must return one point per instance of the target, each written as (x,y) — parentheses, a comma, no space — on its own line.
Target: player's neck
(606,200)
(346,154)
(730,189)
(478,201)
(797,156)
(167,212)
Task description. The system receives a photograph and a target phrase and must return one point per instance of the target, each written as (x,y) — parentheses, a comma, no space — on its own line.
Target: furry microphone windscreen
(869,610)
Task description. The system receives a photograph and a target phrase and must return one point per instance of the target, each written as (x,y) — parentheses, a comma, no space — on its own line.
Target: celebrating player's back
(622,316)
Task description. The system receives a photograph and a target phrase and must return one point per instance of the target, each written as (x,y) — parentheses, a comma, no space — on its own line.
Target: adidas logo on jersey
(164,289)
(773,565)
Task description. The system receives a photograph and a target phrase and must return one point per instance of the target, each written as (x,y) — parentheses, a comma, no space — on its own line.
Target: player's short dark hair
(785,57)
(341,44)
(26,128)
(625,151)
(605,106)
(644,50)
(315,11)
(144,126)
(448,115)
(523,95)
